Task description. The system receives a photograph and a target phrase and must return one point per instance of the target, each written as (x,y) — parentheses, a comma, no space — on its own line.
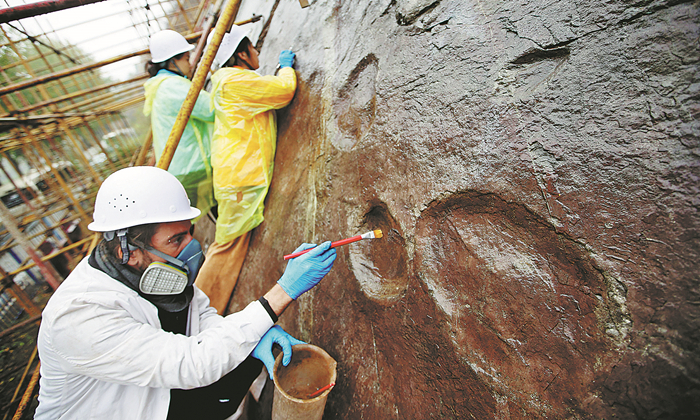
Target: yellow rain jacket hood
(165,93)
(244,143)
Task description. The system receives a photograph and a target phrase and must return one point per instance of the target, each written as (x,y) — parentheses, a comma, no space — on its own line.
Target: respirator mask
(171,277)
(164,278)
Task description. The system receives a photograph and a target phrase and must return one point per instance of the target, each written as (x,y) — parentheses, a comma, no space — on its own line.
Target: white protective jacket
(104,355)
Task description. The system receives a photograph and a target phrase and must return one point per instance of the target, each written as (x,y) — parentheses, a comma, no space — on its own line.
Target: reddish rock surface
(534,167)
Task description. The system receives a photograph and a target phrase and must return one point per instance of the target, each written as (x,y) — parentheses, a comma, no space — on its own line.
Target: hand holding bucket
(297,385)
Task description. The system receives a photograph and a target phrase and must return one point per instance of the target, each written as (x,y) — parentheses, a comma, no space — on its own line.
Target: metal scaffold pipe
(40,8)
(198,80)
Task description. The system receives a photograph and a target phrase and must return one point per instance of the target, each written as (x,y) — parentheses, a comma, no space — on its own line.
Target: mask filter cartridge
(163,279)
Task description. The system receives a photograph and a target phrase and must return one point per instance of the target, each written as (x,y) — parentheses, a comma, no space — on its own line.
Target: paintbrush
(374,234)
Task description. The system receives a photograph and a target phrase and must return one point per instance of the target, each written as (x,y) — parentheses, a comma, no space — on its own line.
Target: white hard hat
(228,46)
(167,44)
(140,195)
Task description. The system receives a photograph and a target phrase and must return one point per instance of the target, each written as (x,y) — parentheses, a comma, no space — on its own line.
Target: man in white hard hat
(128,336)
(243,153)
(165,93)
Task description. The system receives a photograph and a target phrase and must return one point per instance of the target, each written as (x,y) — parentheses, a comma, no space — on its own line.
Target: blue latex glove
(263,351)
(305,271)
(286,58)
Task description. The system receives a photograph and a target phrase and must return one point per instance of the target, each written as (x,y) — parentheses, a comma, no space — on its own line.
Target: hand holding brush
(374,234)
(304,273)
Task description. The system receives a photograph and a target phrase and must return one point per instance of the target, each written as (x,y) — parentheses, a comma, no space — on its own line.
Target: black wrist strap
(268,308)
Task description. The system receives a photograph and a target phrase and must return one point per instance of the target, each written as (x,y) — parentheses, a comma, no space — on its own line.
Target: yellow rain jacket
(244,143)
(165,93)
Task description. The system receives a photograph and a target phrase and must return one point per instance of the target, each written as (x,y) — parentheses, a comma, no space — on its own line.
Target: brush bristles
(378,233)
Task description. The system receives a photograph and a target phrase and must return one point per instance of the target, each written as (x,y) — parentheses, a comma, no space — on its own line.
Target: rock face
(534,167)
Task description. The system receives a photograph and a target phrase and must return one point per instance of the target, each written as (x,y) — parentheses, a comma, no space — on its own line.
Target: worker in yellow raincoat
(165,92)
(243,152)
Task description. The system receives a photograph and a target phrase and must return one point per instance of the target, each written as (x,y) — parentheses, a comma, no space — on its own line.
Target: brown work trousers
(219,273)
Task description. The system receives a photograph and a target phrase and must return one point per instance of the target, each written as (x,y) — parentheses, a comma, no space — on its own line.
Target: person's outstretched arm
(301,275)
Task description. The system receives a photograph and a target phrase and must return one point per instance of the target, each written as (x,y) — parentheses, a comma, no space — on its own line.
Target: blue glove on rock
(287,58)
(263,351)
(305,271)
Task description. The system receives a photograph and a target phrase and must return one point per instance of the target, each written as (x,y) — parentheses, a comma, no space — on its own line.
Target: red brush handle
(320,391)
(333,245)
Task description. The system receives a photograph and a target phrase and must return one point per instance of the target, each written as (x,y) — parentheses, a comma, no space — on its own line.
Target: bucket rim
(317,349)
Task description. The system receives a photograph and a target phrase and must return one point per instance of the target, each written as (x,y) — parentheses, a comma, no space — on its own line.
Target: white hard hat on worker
(167,44)
(228,46)
(140,195)
(148,195)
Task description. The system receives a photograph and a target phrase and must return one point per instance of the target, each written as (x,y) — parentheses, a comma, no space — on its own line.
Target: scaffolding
(70,114)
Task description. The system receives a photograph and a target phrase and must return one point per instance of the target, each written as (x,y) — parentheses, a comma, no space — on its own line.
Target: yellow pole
(197,82)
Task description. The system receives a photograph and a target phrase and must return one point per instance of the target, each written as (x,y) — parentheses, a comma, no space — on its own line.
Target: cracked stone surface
(534,167)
